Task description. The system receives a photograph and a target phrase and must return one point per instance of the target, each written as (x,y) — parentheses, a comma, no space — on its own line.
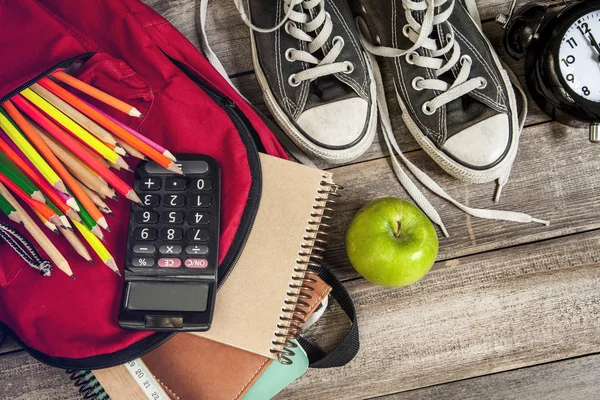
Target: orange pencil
(105,122)
(97,94)
(41,208)
(76,148)
(28,130)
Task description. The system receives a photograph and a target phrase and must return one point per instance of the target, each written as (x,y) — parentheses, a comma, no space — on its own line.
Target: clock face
(579,56)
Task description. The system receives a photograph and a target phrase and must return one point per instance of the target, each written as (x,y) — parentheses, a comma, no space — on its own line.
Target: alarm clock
(562,51)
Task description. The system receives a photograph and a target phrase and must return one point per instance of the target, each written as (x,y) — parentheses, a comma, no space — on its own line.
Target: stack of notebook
(250,351)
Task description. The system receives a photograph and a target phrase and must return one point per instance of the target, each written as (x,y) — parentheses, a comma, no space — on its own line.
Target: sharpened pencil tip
(91,261)
(22,223)
(118,273)
(72,277)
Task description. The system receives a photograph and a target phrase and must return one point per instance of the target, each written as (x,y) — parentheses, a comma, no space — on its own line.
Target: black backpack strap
(347,349)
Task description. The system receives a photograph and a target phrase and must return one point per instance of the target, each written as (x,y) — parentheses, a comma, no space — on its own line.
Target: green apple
(390,242)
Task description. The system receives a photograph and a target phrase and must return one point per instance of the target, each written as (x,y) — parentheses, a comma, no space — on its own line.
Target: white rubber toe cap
(482,144)
(336,124)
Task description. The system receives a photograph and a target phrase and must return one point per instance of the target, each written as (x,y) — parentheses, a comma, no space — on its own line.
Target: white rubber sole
(332,156)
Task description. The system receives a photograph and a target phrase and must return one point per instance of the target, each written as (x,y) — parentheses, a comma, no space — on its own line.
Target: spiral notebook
(255,307)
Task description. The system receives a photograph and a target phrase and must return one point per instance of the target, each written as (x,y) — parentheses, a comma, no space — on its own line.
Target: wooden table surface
(509,311)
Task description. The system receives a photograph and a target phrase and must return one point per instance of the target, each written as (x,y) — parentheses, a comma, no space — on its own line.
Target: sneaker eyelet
(406,30)
(427,110)
(410,57)
(338,39)
(483,83)
(466,58)
(293,81)
(415,83)
(288,55)
(349,68)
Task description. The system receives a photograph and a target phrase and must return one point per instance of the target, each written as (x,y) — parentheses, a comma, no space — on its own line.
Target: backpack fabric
(131,52)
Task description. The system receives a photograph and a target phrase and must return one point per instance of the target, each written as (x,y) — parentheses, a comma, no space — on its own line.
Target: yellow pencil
(37,234)
(31,153)
(98,247)
(72,127)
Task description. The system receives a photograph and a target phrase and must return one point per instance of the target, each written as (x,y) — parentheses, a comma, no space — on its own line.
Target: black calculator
(172,247)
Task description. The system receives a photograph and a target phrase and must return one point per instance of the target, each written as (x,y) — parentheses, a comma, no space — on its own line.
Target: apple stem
(397,233)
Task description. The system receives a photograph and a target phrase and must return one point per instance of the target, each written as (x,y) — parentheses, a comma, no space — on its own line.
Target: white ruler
(144,378)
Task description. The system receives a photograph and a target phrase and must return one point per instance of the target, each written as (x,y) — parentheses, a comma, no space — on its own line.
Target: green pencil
(89,222)
(8,210)
(60,214)
(10,170)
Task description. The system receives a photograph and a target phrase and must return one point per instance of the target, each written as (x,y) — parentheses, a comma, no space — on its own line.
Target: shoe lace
(315,31)
(419,35)
(438,60)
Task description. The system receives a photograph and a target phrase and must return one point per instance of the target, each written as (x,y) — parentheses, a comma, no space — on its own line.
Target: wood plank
(553,179)
(575,379)
(472,316)
(8,345)
(24,378)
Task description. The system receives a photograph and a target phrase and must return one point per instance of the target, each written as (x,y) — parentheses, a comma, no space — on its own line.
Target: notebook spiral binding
(313,245)
(88,385)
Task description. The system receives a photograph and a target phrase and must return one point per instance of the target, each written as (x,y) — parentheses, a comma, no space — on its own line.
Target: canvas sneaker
(316,79)
(456,97)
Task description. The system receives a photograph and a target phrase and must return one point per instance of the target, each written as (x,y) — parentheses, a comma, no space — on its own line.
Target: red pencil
(41,208)
(75,147)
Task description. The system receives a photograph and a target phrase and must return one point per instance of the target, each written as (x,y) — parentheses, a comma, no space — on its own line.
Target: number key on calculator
(172,247)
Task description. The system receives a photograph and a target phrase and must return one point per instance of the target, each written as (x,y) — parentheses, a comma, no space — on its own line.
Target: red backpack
(131,52)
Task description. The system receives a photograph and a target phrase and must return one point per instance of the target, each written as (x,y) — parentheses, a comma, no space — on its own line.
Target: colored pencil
(37,234)
(102,206)
(97,94)
(20,180)
(51,227)
(76,244)
(42,208)
(130,150)
(68,124)
(76,148)
(74,114)
(111,126)
(98,247)
(61,216)
(137,134)
(89,222)
(11,212)
(14,133)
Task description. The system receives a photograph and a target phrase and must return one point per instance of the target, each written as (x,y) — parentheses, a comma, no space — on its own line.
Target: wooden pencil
(75,147)
(102,206)
(67,123)
(8,210)
(15,134)
(49,225)
(21,181)
(98,247)
(89,222)
(37,234)
(114,128)
(130,150)
(76,244)
(97,94)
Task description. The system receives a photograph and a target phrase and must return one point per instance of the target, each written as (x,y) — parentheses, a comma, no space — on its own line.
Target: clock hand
(595,45)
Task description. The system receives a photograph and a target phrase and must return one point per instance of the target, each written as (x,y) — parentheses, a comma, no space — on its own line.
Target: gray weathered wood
(575,379)
(472,316)
(24,378)
(8,346)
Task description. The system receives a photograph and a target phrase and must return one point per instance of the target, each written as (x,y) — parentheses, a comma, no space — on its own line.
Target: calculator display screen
(167,296)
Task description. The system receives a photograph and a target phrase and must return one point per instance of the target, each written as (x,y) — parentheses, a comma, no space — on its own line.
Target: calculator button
(150,183)
(170,249)
(197,235)
(174,200)
(169,263)
(188,167)
(143,262)
(174,234)
(200,184)
(150,200)
(198,218)
(196,263)
(200,201)
(196,250)
(172,217)
(144,249)
(175,184)
(146,217)
(145,234)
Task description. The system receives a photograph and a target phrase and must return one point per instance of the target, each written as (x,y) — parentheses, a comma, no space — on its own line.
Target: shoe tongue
(328,89)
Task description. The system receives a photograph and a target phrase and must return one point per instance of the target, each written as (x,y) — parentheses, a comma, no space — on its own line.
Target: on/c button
(169,263)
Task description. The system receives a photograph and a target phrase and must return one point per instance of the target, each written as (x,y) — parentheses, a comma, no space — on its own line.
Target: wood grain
(472,316)
(8,345)
(24,378)
(575,379)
